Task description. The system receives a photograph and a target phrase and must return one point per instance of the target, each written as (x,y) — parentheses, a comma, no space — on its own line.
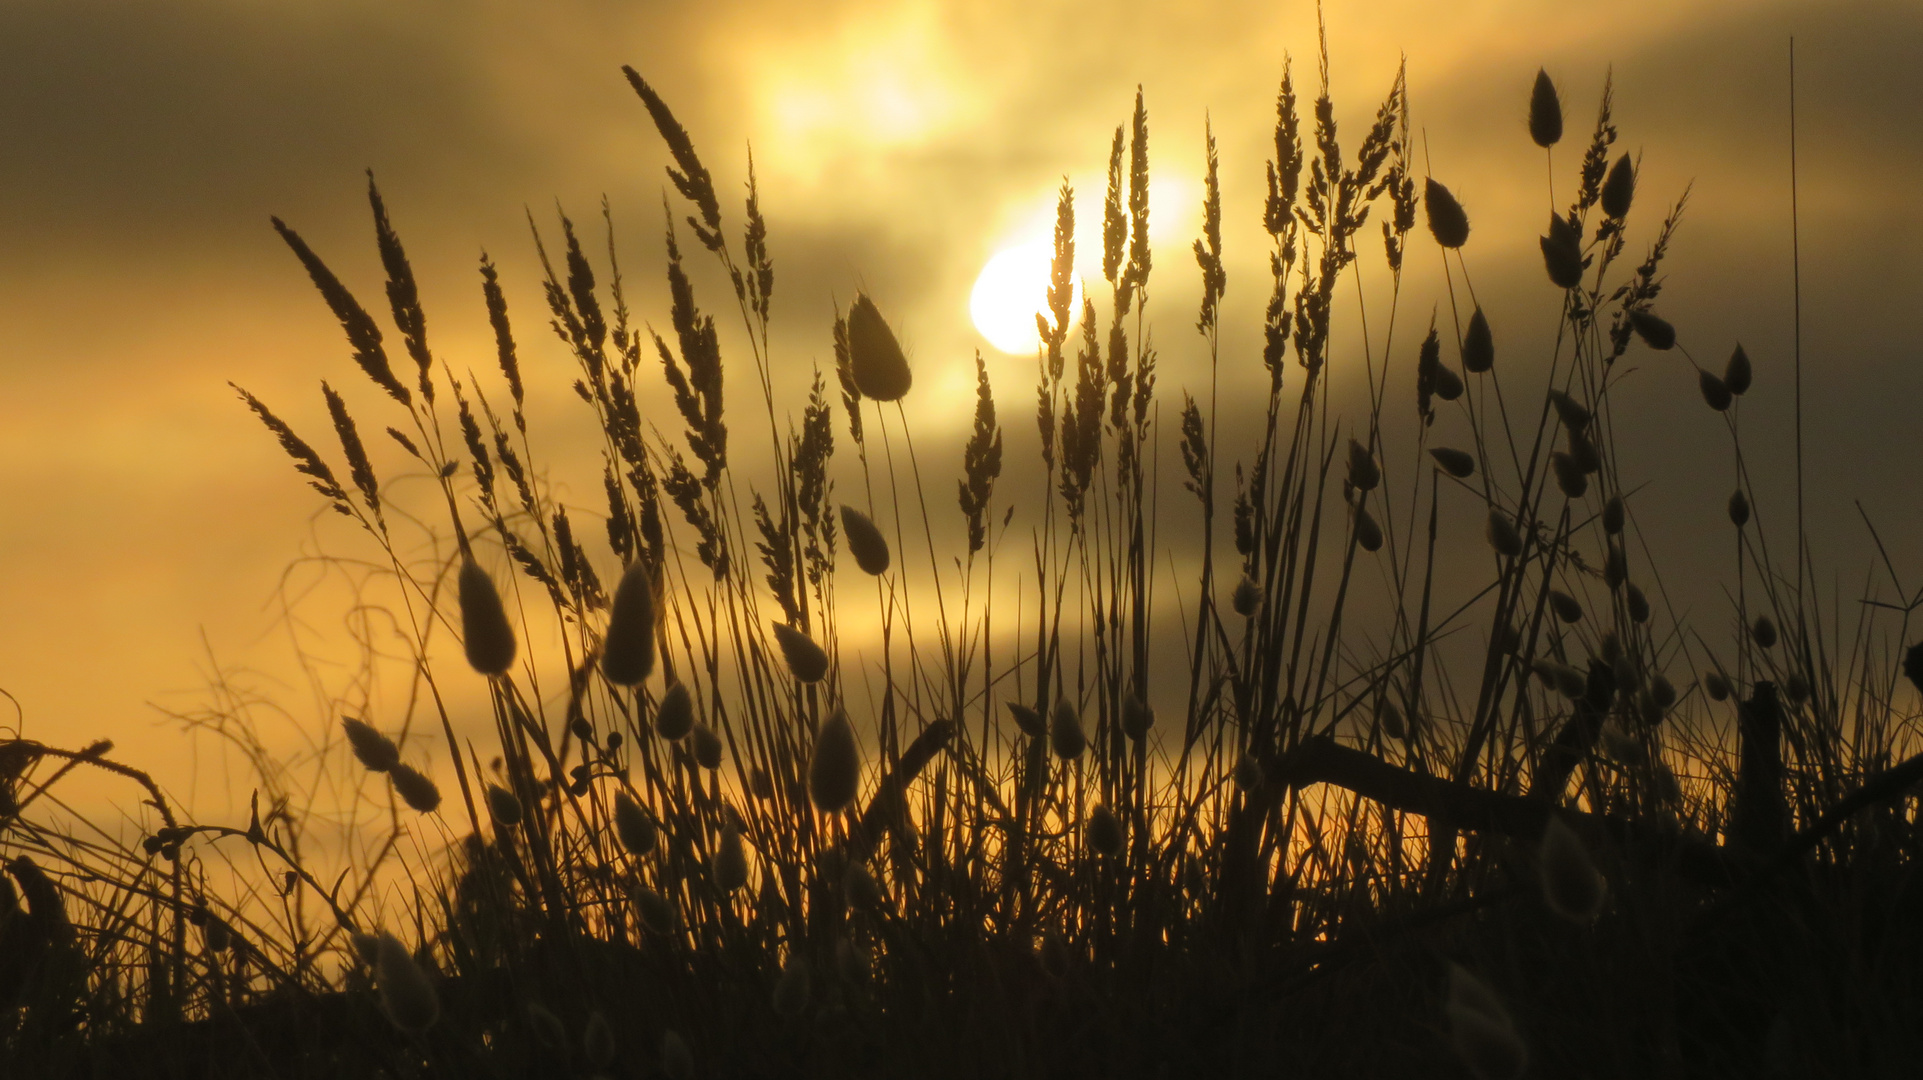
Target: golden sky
(145,517)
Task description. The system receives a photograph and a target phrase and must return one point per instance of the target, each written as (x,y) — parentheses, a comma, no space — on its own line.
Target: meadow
(809,758)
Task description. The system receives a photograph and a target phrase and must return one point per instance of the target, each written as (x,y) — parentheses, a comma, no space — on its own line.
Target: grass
(1271,775)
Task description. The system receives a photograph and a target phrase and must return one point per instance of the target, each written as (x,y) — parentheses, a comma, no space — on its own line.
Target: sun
(1011,291)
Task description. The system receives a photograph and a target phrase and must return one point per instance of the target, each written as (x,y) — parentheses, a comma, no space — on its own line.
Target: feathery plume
(1065,731)
(376,751)
(1447,221)
(707,746)
(632,825)
(407,994)
(1478,345)
(503,807)
(834,769)
(881,371)
(1137,717)
(1545,111)
(1105,834)
(805,658)
(1028,720)
(415,789)
(1656,331)
(865,542)
(1457,463)
(487,635)
(656,912)
(1619,189)
(627,653)
(674,717)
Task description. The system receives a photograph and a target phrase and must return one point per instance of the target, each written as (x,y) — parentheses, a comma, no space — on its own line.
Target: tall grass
(1401,802)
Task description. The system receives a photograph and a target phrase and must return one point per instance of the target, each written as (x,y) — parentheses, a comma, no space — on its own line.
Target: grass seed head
(791,989)
(1246,598)
(1575,416)
(1621,746)
(1545,111)
(1716,685)
(1137,717)
(1570,681)
(1248,773)
(1738,508)
(407,994)
(865,542)
(1619,190)
(805,658)
(1562,256)
(860,889)
(503,807)
(1457,463)
(1566,607)
(1502,535)
(1479,1026)
(1570,476)
(730,859)
(1065,731)
(1363,472)
(1584,452)
(1571,884)
(1637,603)
(1368,534)
(627,653)
(1737,374)
(1667,787)
(1105,833)
(597,1041)
(376,751)
(707,746)
(1913,665)
(1715,391)
(881,371)
(1662,691)
(1796,689)
(1655,330)
(1764,631)
(1615,567)
(1478,345)
(632,825)
(677,1061)
(1390,717)
(1028,720)
(1446,383)
(834,769)
(415,789)
(674,717)
(1447,221)
(656,912)
(487,635)
(1612,517)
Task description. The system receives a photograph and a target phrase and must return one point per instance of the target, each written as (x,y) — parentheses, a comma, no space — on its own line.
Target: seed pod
(1105,835)
(1028,720)
(627,652)
(1571,884)
(674,716)
(677,1061)
(486,634)
(1619,190)
(834,769)
(881,371)
(860,889)
(1662,692)
(1615,567)
(1655,330)
(1137,717)
(1363,472)
(1637,603)
(1737,374)
(805,658)
(1248,773)
(1574,415)
(707,746)
(1065,731)
(1764,631)
(407,994)
(1583,451)
(656,912)
(415,789)
(1716,685)
(1738,508)
(1569,474)
(1447,222)
(1478,345)
(1447,384)
(1715,391)
(1562,254)
(632,825)
(597,1041)
(1545,112)
(1484,1036)
(1795,689)
(865,542)
(376,751)
(1246,598)
(791,989)
(1502,535)
(730,862)
(1368,534)
(1390,718)
(503,807)
(1457,463)
(1566,607)
(1613,515)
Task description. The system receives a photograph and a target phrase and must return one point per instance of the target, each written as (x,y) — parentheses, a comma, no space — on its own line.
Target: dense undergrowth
(1398,806)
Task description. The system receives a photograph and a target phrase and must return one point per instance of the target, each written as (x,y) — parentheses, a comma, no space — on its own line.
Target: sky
(150,531)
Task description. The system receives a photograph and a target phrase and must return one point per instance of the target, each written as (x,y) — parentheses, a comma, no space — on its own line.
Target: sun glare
(1011,291)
